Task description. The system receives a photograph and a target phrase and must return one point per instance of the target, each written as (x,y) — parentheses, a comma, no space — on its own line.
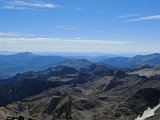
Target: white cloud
(78,9)
(60,45)
(23,44)
(61,41)
(22,5)
(154,17)
(14,34)
(78,38)
(98,31)
(128,16)
(66,27)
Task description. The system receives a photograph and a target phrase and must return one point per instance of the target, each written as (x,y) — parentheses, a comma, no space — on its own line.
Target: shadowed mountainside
(67,93)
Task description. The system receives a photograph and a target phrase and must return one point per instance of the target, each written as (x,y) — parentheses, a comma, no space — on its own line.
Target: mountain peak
(149,55)
(63,69)
(24,54)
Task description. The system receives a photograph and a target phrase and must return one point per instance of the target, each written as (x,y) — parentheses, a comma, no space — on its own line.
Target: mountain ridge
(138,60)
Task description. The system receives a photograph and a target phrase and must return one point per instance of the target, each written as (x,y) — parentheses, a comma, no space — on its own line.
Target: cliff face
(139,102)
(148,97)
(6,94)
(60,107)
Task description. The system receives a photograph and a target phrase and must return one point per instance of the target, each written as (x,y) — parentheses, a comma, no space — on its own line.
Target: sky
(89,26)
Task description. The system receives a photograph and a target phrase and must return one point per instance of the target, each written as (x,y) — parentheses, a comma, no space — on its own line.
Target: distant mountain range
(23,62)
(139,60)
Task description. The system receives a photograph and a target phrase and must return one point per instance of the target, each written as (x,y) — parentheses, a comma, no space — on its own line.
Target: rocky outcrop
(6,94)
(144,98)
(113,83)
(85,105)
(19,118)
(60,106)
(120,74)
(99,70)
(138,103)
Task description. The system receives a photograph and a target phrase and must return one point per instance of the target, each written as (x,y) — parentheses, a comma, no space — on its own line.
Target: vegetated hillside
(67,93)
(23,62)
(139,60)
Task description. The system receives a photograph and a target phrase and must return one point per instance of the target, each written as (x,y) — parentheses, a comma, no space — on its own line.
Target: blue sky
(105,26)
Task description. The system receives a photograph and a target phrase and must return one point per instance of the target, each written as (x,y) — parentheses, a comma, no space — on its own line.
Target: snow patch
(148,113)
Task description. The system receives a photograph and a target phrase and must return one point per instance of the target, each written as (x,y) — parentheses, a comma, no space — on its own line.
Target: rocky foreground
(92,93)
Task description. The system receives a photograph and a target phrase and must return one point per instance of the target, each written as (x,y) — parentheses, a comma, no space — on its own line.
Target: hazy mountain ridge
(23,62)
(139,60)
